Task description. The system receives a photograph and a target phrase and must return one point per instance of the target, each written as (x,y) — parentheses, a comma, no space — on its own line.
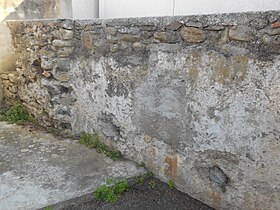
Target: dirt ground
(152,194)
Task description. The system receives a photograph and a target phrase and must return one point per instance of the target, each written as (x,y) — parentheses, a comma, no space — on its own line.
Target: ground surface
(151,195)
(38,170)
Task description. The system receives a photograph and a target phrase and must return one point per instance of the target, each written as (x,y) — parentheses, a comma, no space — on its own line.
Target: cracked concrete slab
(37,170)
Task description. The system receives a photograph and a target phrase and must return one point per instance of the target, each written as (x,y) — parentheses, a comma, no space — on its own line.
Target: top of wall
(257,32)
(199,21)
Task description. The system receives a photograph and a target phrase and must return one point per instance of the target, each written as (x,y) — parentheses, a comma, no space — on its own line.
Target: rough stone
(61,43)
(101,47)
(47,63)
(241,33)
(174,26)
(46,74)
(167,37)
(218,176)
(272,32)
(147,34)
(68,101)
(62,76)
(114,47)
(65,52)
(112,39)
(67,24)
(13,77)
(138,46)
(66,34)
(62,65)
(214,28)
(130,30)
(111,30)
(275,25)
(259,23)
(4,76)
(194,24)
(192,35)
(87,40)
(129,38)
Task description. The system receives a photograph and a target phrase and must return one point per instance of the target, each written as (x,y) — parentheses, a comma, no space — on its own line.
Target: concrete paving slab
(37,170)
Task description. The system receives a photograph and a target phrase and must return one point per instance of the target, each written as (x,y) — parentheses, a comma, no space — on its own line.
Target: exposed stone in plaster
(168,37)
(241,33)
(193,35)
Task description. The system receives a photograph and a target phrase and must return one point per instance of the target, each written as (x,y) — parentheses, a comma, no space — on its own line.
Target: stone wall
(21,10)
(43,51)
(195,98)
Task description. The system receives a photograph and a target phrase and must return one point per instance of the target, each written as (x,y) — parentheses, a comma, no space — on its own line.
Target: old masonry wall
(196,98)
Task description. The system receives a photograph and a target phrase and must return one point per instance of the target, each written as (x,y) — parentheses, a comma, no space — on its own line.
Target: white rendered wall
(141,8)
(85,9)
(135,8)
(189,7)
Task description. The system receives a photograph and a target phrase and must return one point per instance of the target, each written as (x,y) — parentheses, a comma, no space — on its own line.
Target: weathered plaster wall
(195,98)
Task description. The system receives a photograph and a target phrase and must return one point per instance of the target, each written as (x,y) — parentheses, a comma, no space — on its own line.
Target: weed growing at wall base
(141,179)
(93,141)
(112,191)
(16,114)
(171,184)
(152,184)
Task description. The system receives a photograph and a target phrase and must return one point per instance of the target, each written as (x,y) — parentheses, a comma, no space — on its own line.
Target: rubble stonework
(43,53)
(195,98)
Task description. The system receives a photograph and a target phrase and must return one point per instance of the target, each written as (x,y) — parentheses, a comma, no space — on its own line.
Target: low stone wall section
(195,98)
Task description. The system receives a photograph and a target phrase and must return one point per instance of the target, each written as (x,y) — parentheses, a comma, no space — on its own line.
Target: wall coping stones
(227,19)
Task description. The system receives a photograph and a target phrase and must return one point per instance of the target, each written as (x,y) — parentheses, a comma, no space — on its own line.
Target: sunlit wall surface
(138,8)
(85,9)
(6,53)
(7,7)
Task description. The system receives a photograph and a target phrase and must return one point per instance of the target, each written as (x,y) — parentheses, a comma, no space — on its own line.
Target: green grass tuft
(88,139)
(112,192)
(152,184)
(140,179)
(93,141)
(114,154)
(171,184)
(16,114)
(149,175)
